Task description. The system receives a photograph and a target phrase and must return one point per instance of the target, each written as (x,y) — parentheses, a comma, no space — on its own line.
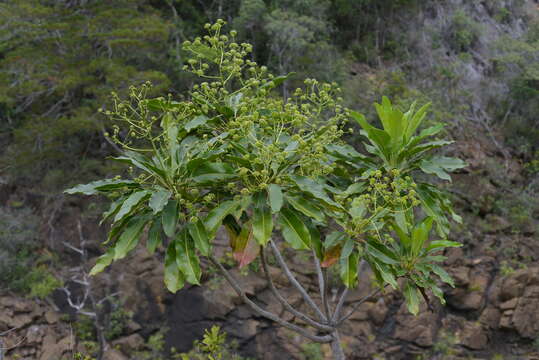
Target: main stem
(336,347)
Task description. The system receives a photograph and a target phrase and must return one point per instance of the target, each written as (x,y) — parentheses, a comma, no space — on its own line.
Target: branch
(264,313)
(358,304)
(322,282)
(294,282)
(344,294)
(285,303)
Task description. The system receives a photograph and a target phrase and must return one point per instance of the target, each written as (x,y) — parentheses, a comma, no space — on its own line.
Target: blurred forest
(476,61)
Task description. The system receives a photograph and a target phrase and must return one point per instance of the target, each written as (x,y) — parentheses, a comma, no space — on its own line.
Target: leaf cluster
(237,154)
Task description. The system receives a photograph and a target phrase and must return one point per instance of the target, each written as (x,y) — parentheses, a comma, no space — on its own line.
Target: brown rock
(128,344)
(473,336)
(34,334)
(490,317)
(509,304)
(464,299)
(461,275)
(526,314)
(55,351)
(52,317)
(513,285)
(113,354)
(418,329)
(378,311)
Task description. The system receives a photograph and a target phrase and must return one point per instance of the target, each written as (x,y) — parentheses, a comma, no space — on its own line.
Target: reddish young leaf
(331,256)
(246,247)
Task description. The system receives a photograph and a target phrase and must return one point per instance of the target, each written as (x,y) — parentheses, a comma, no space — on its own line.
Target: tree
(239,155)
(59,62)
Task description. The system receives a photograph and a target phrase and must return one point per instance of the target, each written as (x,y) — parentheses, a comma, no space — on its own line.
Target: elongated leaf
(387,276)
(348,247)
(380,253)
(316,241)
(412,297)
(246,248)
(174,279)
(335,237)
(215,216)
(130,237)
(348,271)
(159,199)
(200,236)
(294,230)
(213,172)
(441,244)
(170,218)
(154,236)
(186,258)
(262,220)
(416,120)
(131,202)
(196,122)
(306,207)
(275,197)
(102,262)
(444,276)
(420,235)
(331,256)
(315,189)
(114,207)
(100,185)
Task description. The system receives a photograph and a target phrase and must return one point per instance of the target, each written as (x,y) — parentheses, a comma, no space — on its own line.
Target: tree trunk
(336,348)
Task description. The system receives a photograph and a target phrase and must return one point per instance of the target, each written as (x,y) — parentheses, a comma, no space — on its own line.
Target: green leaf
(174,279)
(316,241)
(186,258)
(215,216)
(444,276)
(412,297)
(347,248)
(196,122)
(100,185)
(306,207)
(159,199)
(278,80)
(262,220)
(113,209)
(335,237)
(348,271)
(154,235)
(430,167)
(294,230)
(170,218)
(275,197)
(102,262)
(200,236)
(213,172)
(441,244)
(130,203)
(416,120)
(130,237)
(387,276)
(315,189)
(420,234)
(381,253)
(379,138)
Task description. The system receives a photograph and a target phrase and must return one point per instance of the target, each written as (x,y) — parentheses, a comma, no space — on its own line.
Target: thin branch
(340,304)
(264,313)
(285,303)
(322,282)
(294,282)
(358,304)
(345,292)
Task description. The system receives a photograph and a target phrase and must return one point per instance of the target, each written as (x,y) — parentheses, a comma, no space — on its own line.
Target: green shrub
(463,32)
